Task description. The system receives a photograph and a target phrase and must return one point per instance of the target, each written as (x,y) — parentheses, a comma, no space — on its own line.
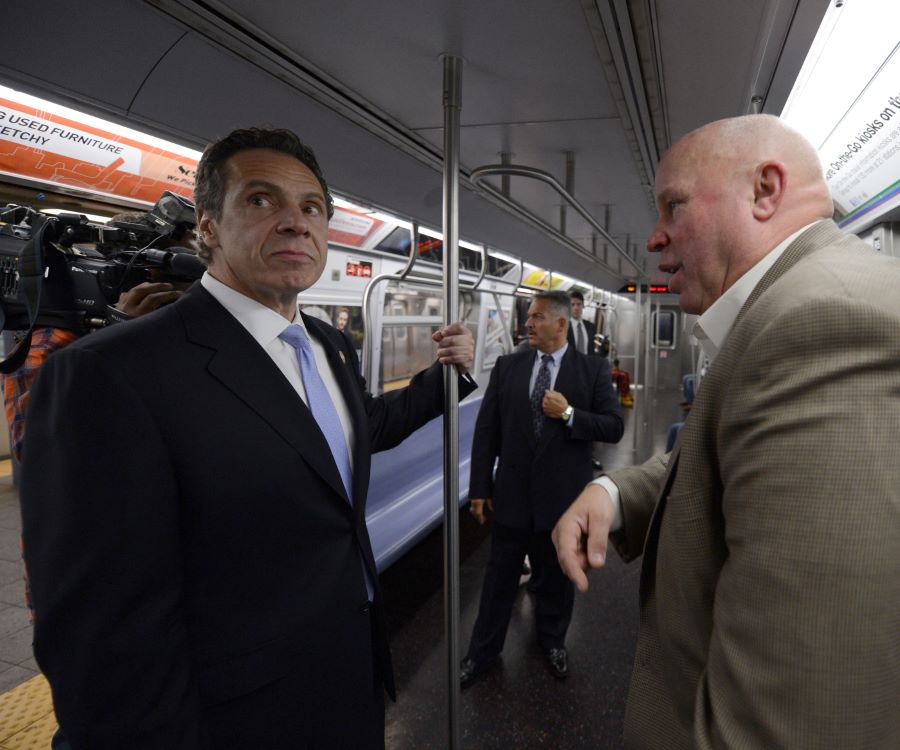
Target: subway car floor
(518,705)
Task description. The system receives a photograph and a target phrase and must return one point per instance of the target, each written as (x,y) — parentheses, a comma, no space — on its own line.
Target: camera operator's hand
(146,297)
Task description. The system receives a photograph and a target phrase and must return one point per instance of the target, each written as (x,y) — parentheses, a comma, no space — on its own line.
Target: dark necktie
(541,384)
(579,338)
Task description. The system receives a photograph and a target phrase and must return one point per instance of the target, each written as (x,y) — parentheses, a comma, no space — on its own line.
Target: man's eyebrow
(265,184)
(670,194)
(273,188)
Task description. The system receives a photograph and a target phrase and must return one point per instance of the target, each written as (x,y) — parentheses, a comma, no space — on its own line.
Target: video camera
(66,272)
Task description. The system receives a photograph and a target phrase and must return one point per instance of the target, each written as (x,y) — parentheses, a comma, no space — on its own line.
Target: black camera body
(66,272)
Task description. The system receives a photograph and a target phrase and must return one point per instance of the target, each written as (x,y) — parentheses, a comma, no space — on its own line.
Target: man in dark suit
(581,335)
(581,332)
(542,410)
(194,490)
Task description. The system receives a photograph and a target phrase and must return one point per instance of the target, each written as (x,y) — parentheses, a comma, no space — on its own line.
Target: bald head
(727,194)
(740,148)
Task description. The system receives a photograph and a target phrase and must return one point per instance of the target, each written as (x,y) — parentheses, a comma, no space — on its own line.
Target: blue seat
(688,386)
(673,435)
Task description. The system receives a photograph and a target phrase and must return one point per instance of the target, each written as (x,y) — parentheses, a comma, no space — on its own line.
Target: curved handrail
(367,296)
(521,275)
(506,334)
(413,249)
(483,273)
(480,173)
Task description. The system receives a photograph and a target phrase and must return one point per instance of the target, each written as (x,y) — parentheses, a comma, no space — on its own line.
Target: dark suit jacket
(536,480)
(194,561)
(591,330)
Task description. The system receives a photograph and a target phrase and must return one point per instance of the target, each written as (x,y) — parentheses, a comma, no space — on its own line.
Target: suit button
(364,609)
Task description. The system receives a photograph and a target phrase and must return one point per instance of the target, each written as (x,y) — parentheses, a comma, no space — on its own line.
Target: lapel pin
(343,358)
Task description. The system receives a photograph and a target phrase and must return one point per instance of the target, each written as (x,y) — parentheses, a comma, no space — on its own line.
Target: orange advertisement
(55,150)
(351,228)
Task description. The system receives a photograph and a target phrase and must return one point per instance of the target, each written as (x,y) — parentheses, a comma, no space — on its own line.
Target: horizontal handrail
(492,170)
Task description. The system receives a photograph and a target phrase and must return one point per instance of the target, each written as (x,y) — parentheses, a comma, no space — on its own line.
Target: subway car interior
(563,109)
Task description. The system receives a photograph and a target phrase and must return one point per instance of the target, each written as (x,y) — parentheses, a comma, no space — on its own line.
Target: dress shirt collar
(261,322)
(712,327)
(557,355)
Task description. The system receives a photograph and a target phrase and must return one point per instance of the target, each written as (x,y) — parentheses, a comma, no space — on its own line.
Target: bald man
(770,535)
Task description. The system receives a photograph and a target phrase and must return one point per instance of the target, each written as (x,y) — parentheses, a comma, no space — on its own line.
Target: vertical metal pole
(570,188)
(638,394)
(452,104)
(505,158)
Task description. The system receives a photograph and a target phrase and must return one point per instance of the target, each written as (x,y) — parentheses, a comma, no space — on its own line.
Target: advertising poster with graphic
(54,150)
(861,155)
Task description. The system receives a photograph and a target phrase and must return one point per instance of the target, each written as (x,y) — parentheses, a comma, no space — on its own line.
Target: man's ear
(207,228)
(769,183)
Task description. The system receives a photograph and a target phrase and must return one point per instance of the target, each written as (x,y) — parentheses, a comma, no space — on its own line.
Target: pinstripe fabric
(770,587)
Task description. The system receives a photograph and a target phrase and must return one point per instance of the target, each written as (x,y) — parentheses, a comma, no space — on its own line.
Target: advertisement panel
(55,150)
(861,156)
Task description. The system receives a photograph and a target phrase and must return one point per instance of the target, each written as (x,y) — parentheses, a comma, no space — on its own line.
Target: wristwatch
(567,413)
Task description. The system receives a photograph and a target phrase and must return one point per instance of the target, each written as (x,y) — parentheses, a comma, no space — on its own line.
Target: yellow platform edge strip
(27,716)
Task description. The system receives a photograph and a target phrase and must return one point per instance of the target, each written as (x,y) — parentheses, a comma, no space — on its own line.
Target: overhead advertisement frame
(62,148)
(846,101)
(861,156)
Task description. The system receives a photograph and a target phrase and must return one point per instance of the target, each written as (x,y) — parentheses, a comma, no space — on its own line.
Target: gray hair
(559,302)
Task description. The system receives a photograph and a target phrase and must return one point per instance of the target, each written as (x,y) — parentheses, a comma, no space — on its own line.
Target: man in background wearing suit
(771,533)
(194,490)
(581,335)
(581,332)
(542,410)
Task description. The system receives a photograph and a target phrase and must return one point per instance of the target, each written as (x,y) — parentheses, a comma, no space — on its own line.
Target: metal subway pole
(452,91)
(638,381)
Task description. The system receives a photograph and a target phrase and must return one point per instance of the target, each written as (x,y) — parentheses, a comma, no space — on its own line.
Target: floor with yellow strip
(26,711)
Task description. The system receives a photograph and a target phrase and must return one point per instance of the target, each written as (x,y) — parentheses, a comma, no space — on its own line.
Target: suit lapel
(823,233)
(651,545)
(243,367)
(714,385)
(565,378)
(565,384)
(519,393)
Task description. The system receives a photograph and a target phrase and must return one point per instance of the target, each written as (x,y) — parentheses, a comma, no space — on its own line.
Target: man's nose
(293,219)
(657,241)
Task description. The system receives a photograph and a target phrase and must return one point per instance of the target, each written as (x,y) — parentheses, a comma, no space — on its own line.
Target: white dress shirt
(265,325)
(711,330)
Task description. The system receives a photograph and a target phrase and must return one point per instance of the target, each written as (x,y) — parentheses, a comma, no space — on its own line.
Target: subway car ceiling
(605,85)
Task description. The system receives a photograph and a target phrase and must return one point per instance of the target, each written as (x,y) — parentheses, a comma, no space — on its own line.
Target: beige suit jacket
(770,587)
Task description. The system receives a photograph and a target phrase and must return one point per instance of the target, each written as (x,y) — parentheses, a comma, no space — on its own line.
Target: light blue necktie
(320,403)
(326,416)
